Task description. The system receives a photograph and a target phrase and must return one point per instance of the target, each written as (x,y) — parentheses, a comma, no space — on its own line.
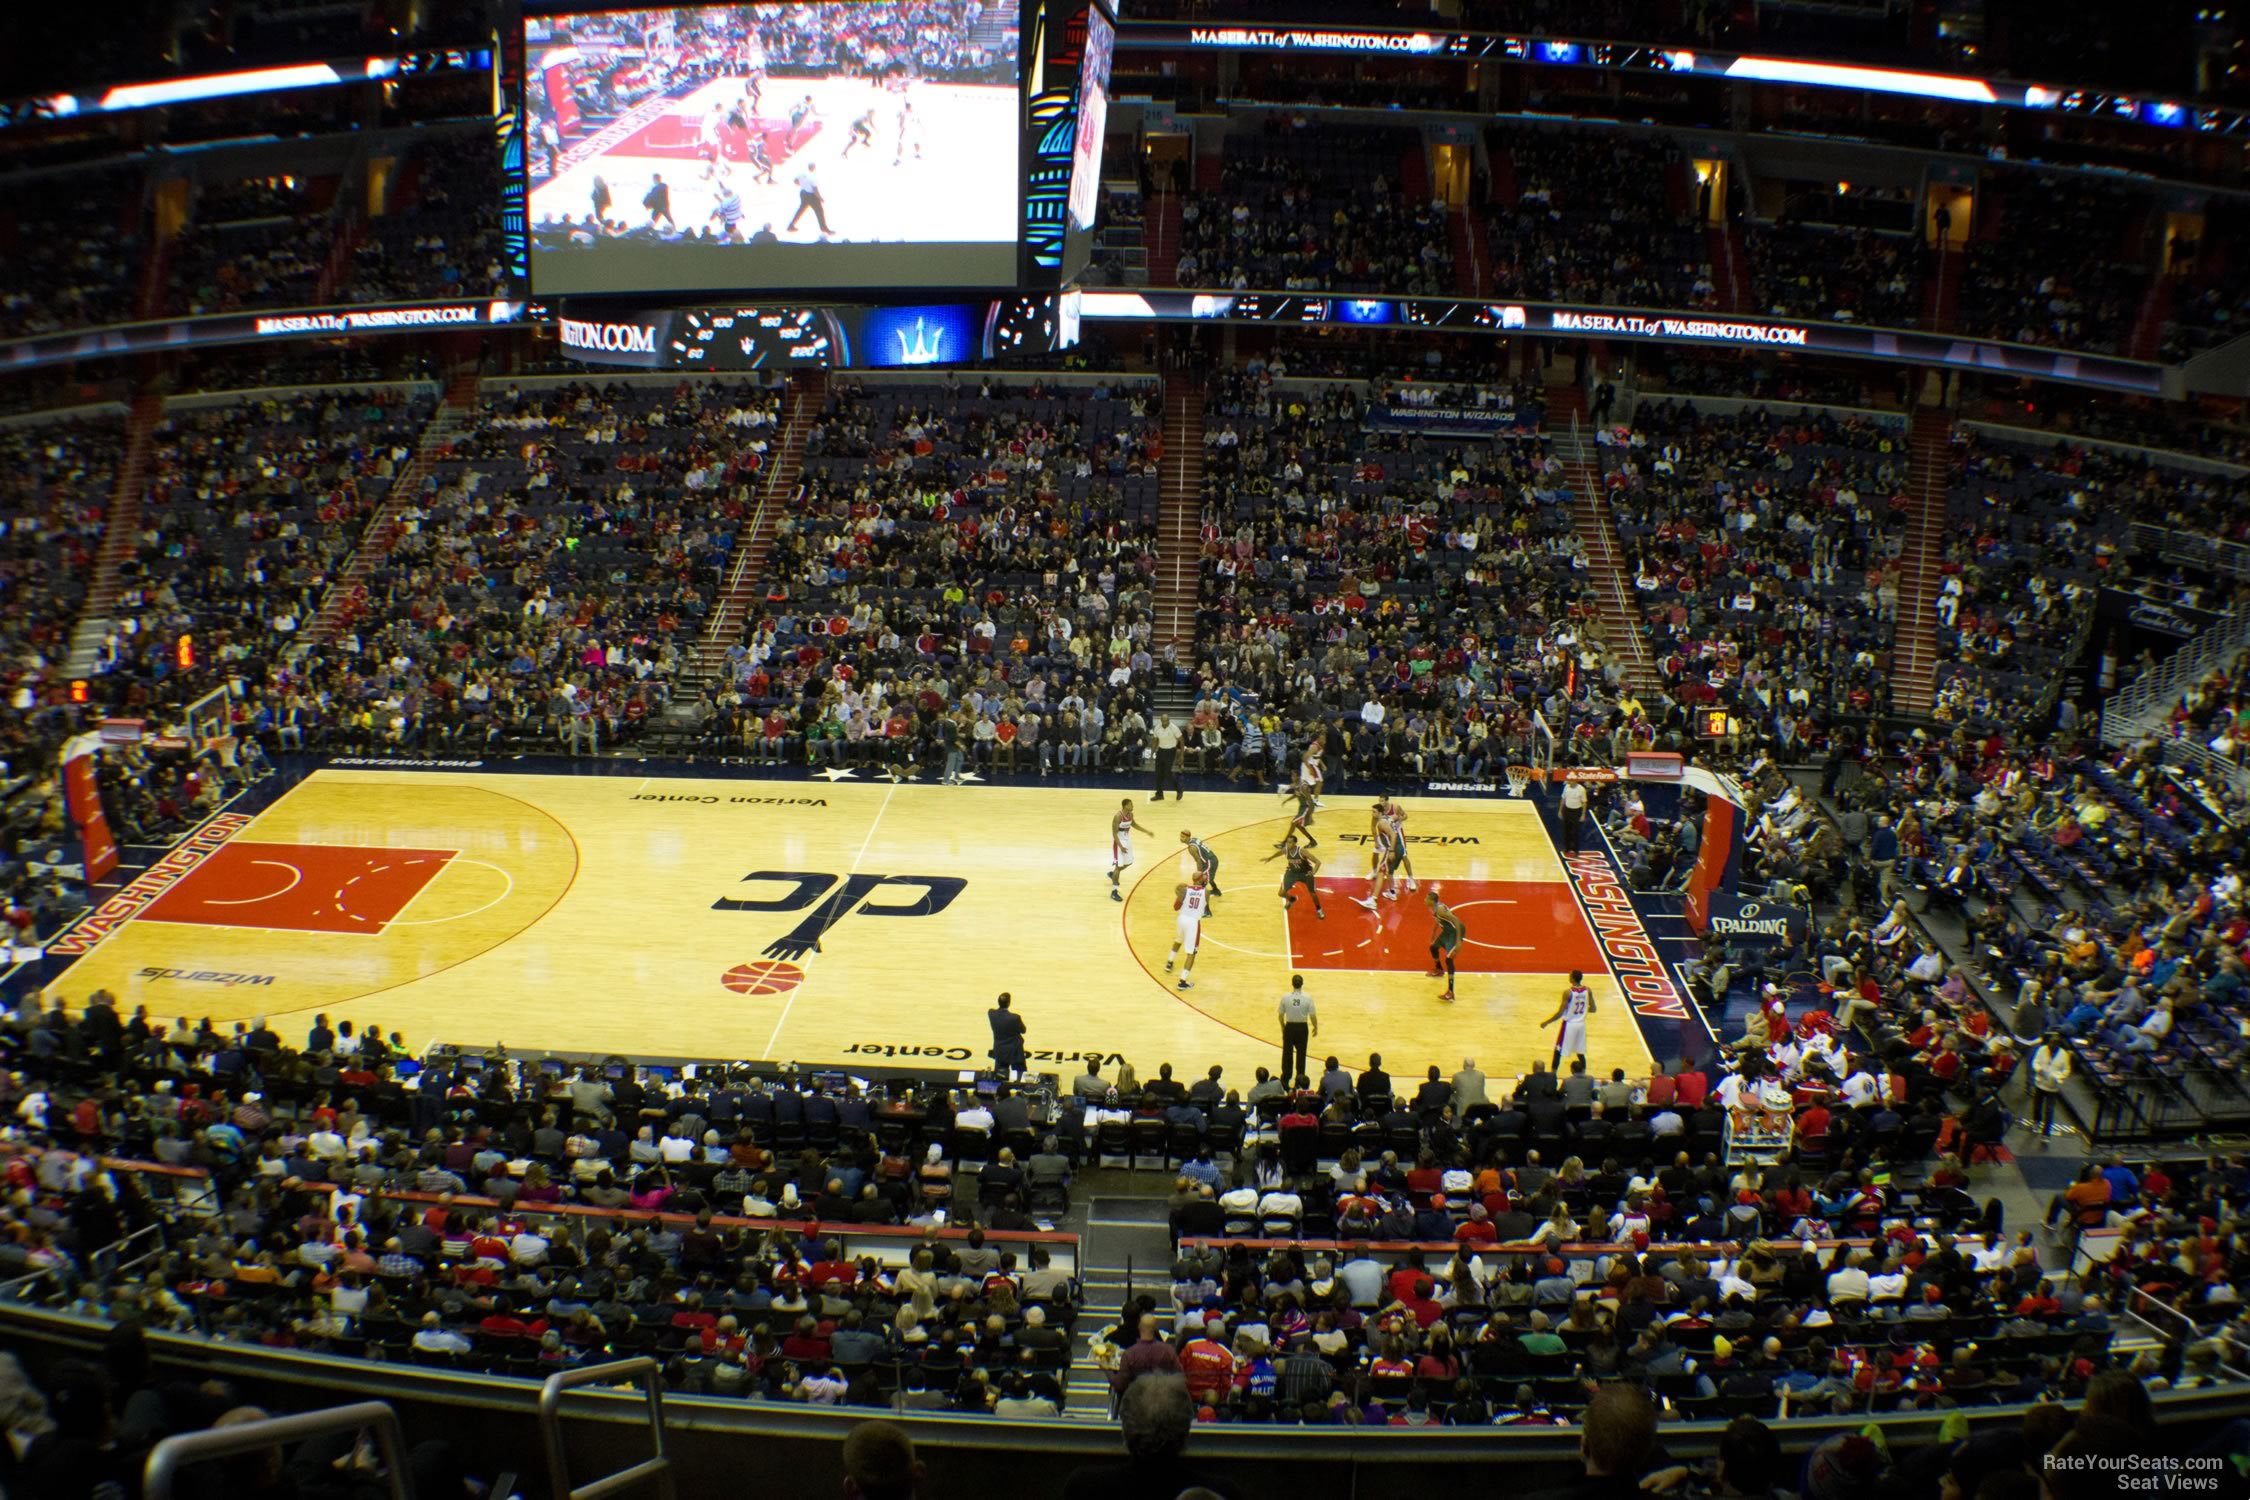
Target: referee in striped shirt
(1300,1023)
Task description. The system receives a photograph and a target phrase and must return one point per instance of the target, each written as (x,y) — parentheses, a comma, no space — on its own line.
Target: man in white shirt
(1166,738)
(1573,814)
(2050,1070)
(1860,1087)
(972,1114)
(1851,1283)
(1928,966)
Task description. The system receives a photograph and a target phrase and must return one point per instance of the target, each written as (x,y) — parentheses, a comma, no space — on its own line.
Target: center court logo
(827,899)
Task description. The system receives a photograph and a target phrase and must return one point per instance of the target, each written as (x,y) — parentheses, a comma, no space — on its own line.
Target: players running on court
(1309,771)
(1300,821)
(1192,901)
(909,132)
(1383,838)
(1121,826)
(1389,810)
(1302,865)
(1447,932)
(1577,1004)
(862,134)
(1206,865)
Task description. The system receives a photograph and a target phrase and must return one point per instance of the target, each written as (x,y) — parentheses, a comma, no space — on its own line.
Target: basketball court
(839,921)
(934,189)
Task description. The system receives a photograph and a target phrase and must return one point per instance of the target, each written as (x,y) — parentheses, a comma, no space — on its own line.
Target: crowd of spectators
(1835,274)
(263,243)
(1762,549)
(2211,302)
(551,577)
(1594,216)
(55,483)
(2030,537)
(965,581)
(1410,599)
(248,509)
(470,1213)
(2057,260)
(441,237)
(71,251)
(1303,207)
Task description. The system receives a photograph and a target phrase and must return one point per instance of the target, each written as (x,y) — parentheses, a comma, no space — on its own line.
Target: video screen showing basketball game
(848,143)
(1093,117)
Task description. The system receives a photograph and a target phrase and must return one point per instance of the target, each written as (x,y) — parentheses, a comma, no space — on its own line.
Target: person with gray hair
(879,1463)
(1156,1413)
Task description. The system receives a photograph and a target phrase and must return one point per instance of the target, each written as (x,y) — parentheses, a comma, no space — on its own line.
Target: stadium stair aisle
(746,572)
(1125,1248)
(121,527)
(1180,516)
(1727,256)
(347,592)
(1621,621)
(1469,274)
(1941,293)
(1930,460)
(1163,237)
(2148,329)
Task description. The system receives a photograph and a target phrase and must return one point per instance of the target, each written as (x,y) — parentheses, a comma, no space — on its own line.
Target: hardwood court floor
(680,917)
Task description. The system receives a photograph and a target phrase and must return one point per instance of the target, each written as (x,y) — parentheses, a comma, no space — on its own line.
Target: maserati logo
(921,345)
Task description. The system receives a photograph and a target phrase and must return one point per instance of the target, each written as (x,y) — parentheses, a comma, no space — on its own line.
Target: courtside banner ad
(250,328)
(1647,57)
(1643,324)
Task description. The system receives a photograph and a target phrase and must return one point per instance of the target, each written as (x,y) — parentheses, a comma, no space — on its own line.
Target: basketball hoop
(1519,778)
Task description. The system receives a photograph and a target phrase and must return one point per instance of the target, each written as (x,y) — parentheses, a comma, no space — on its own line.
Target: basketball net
(1519,777)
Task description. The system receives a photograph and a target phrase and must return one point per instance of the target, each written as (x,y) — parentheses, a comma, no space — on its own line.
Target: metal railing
(2175,546)
(2212,766)
(167,1458)
(2140,1303)
(658,1467)
(2142,704)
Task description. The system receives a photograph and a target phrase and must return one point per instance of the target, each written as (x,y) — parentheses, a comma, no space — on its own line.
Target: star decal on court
(837,773)
(894,778)
(968,776)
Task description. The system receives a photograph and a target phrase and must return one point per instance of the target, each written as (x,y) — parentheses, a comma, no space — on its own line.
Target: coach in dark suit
(1007,1037)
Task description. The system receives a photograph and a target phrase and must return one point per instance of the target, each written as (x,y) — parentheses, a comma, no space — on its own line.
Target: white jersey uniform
(1309,773)
(1577,1001)
(1120,842)
(1192,905)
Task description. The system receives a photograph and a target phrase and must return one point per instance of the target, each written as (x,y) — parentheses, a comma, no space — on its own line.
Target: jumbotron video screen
(849,143)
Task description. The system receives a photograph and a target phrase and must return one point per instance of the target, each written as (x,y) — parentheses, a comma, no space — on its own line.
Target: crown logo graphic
(922,345)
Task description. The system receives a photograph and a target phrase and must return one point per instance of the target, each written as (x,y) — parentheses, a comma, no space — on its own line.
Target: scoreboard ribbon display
(1637,324)
(783,336)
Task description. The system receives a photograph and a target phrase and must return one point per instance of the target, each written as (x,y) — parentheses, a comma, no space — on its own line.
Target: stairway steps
(746,578)
(121,526)
(1621,622)
(345,599)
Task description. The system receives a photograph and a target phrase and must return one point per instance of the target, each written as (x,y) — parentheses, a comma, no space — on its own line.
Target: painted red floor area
(1515,927)
(300,887)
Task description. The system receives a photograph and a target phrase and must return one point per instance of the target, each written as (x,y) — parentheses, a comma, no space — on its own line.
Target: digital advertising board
(851,143)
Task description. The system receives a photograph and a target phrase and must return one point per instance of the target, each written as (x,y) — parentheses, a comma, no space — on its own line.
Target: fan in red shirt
(1209,1368)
